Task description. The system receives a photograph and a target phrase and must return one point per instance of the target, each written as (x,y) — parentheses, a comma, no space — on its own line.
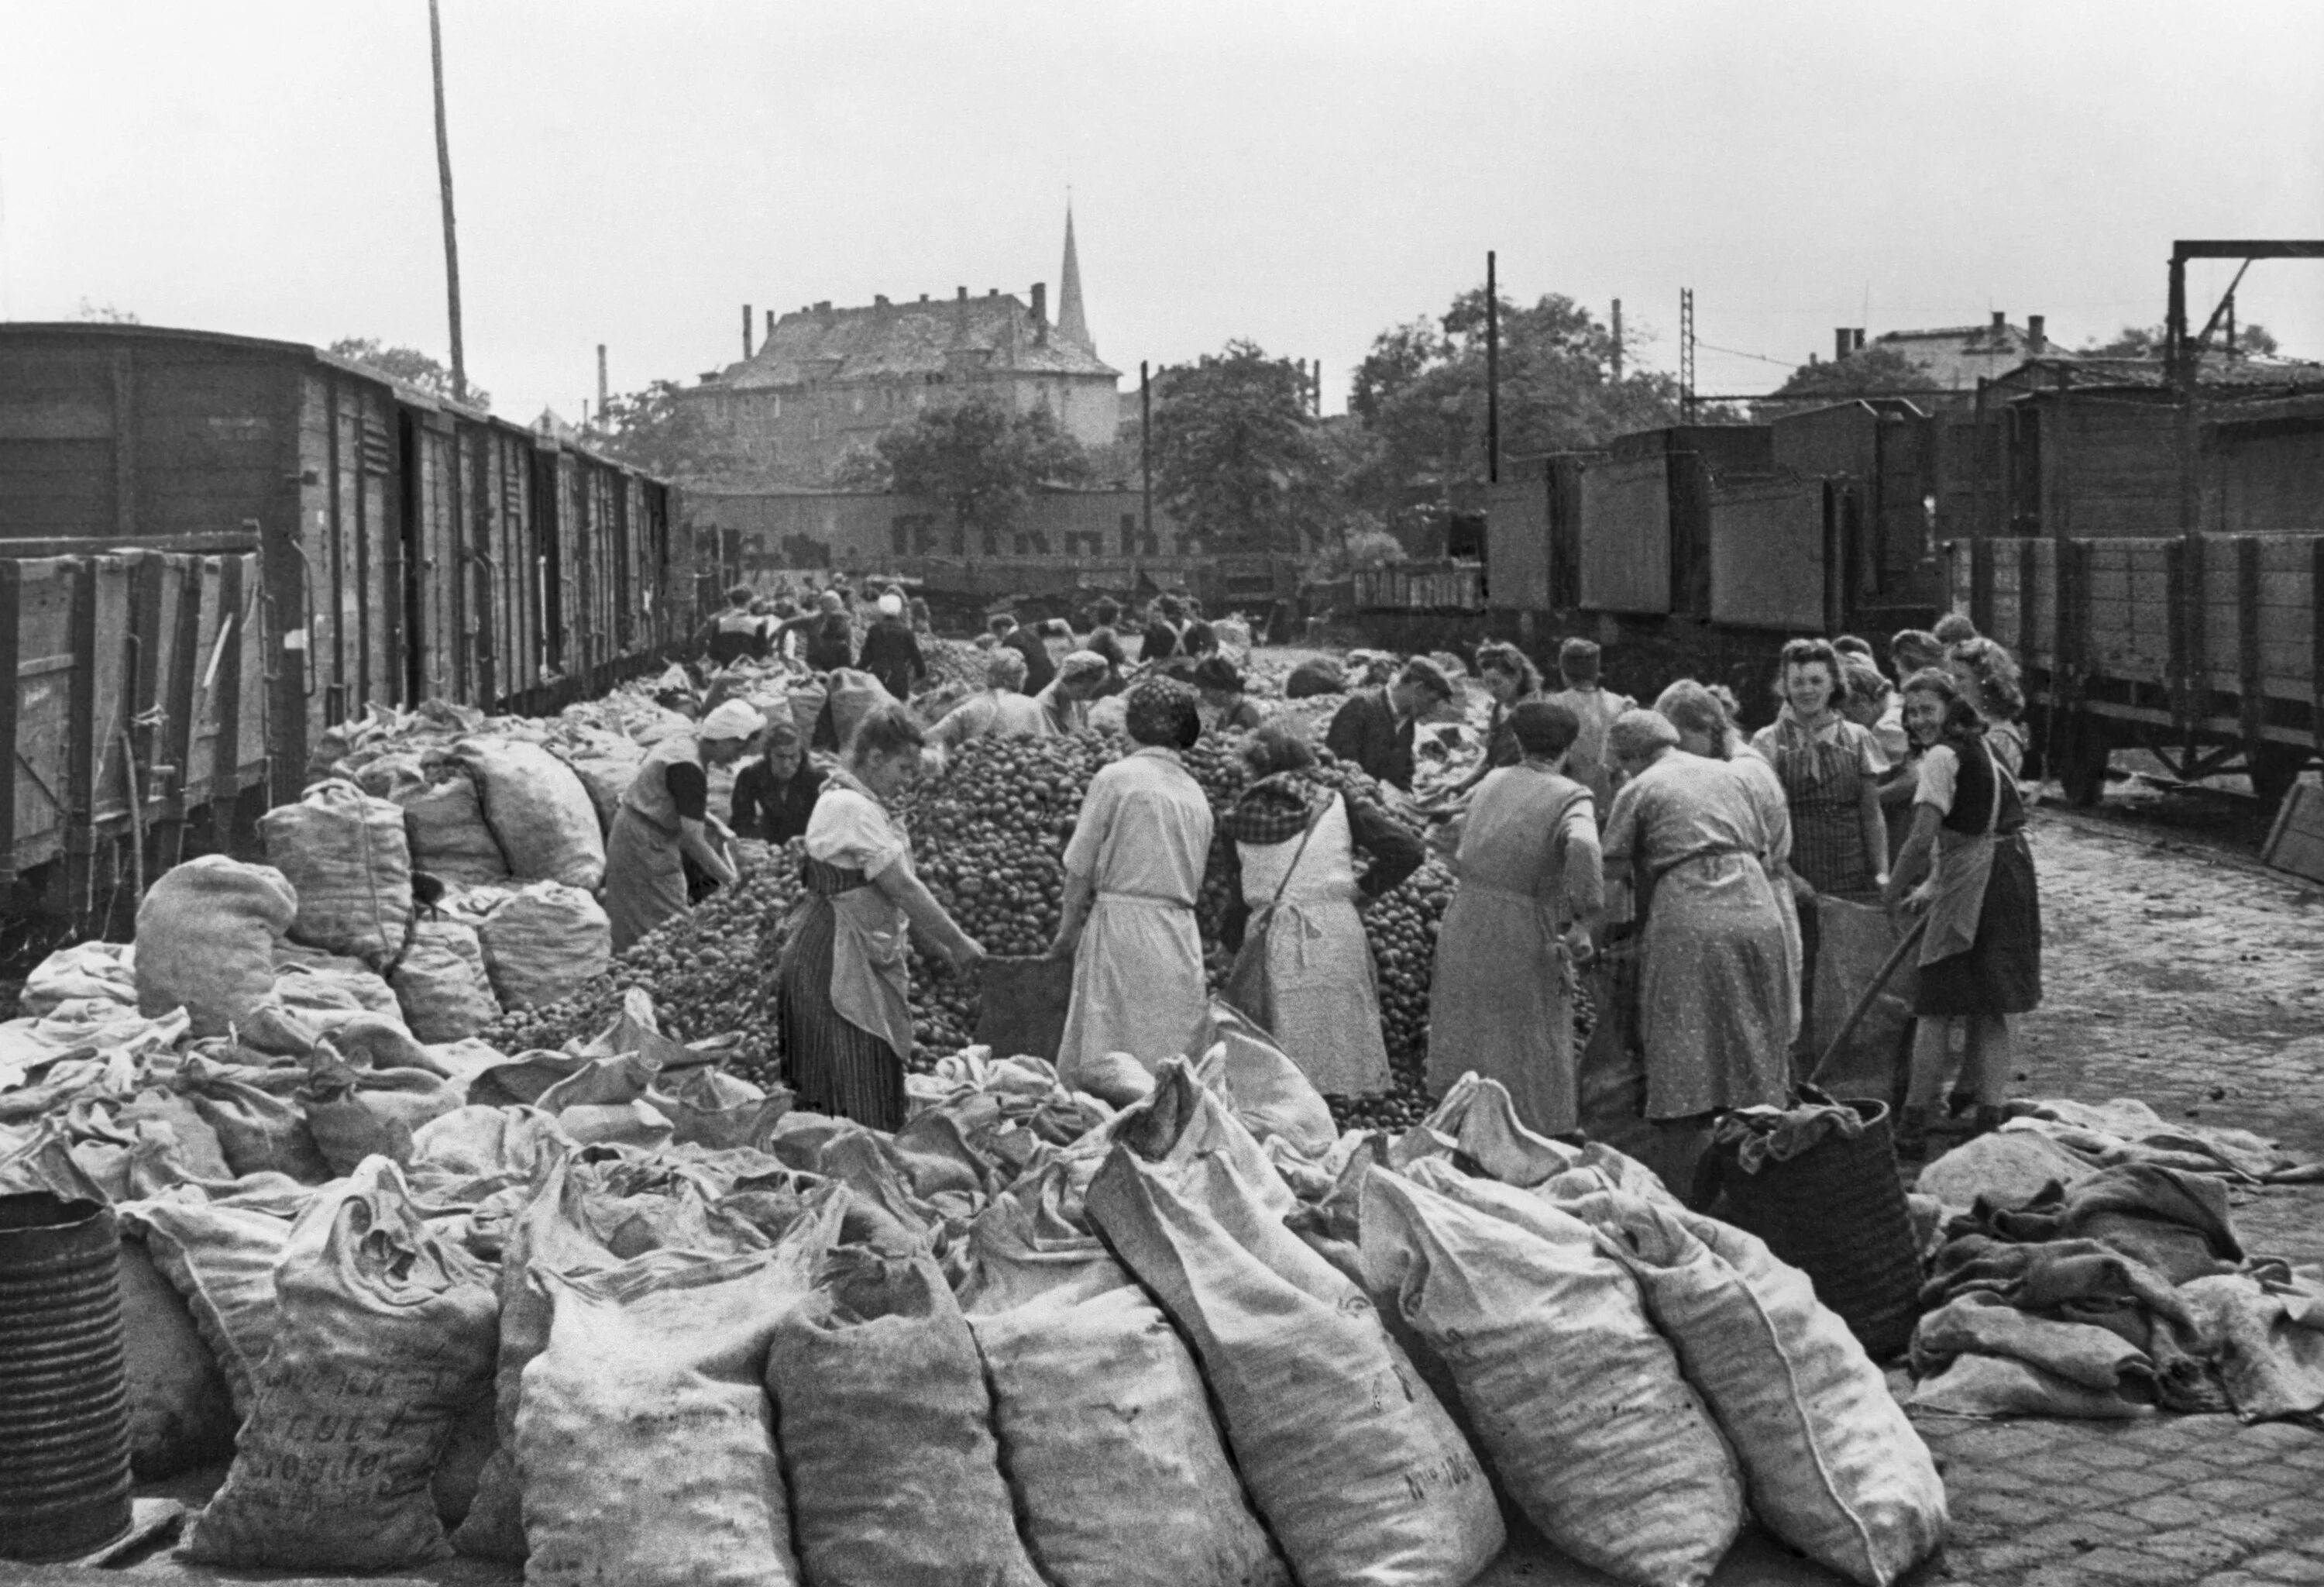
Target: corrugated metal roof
(883,341)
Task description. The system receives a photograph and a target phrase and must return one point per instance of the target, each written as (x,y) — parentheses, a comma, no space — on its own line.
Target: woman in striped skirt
(842,990)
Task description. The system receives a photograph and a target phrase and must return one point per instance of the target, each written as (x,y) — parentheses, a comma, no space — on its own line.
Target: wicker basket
(1837,1212)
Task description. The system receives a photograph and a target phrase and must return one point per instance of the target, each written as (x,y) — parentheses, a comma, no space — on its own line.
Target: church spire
(1072,325)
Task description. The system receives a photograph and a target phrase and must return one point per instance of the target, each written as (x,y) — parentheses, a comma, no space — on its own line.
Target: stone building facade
(828,381)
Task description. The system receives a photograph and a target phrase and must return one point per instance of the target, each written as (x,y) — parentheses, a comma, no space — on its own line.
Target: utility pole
(1618,341)
(1146,453)
(444,180)
(1686,354)
(1492,372)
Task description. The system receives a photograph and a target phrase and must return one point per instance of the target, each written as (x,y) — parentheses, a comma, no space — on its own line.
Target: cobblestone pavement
(2197,984)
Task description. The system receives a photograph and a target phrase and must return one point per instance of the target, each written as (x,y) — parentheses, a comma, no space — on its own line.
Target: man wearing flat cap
(1225,708)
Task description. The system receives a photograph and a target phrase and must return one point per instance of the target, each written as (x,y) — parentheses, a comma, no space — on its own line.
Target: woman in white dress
(1133,869)
(1296,835)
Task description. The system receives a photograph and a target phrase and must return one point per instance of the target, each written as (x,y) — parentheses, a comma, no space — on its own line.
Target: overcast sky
(1303,175)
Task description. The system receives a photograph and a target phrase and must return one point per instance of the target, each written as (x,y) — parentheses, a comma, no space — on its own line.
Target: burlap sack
(385,1338)
(206,936)
(345,854)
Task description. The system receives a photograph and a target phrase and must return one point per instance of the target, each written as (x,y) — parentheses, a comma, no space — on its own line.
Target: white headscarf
(735,719)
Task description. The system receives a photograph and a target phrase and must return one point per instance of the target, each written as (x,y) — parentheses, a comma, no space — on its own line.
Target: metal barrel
(64,1400)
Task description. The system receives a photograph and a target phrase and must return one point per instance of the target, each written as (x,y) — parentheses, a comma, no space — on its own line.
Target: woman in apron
(1830,771)
(1982,956)
(1531,891)
(1133,870)
(664,821)
(841,989)
(1295,840)
(1714,1007)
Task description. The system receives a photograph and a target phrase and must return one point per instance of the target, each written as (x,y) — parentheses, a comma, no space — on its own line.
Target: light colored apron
(871,936)
(1964,868)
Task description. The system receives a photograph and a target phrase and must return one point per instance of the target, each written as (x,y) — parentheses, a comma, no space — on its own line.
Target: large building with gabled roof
(827,381)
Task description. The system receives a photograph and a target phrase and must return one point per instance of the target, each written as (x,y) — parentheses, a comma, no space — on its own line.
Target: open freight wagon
(358,541)
(2207,650)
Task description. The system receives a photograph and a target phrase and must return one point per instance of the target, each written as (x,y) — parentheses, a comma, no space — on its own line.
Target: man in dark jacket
(1374,729)
(830,637)
(890,653)
(1165,635)
(1038,669)
(735,632)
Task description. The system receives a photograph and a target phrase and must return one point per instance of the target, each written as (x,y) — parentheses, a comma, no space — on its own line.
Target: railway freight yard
(905,961)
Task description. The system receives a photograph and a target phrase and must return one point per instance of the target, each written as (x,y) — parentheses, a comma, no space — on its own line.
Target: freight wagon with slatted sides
(215,548)
(2206,649)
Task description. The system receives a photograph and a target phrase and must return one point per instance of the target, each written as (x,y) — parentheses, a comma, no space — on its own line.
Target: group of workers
(1591,821)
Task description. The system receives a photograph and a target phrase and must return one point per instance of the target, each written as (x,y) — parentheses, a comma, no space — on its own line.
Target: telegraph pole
(444,180)
(1492,372)
(1146,452)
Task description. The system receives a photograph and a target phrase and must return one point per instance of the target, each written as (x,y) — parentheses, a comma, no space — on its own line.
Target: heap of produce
(989,836)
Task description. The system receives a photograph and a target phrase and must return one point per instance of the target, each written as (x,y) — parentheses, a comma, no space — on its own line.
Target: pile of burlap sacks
(624,1317)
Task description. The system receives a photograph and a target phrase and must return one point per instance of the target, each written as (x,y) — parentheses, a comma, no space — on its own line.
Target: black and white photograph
(1518,793)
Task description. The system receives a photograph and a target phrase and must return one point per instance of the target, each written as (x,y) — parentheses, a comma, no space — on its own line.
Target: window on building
(1129,534)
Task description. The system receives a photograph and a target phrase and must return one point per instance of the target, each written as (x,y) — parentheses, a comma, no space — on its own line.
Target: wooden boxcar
(354,541)
(2207,648)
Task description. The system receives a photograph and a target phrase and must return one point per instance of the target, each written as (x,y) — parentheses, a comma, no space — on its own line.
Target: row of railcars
(216,549)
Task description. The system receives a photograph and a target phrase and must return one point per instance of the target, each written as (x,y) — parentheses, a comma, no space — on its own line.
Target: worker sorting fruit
(664,820)
(1133,871)
(844,996)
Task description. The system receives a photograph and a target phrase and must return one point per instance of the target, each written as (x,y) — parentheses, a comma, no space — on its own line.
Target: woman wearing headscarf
(1133,870)
(1296,835)
(775,793)
(664,820)
(1531,893)
(1715,975)
(890,653)
(842,988)
(1065,703)
(1981,955)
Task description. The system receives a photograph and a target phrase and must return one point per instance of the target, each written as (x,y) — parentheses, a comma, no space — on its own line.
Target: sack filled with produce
(886,1426)
(1580,1404)
(543,943)
(181,1412)
(592,1212)
(206,936)
(442,985)
(343,853)
(644,1436)
(1833,1465)
(443,822)
(384,1337)
(539,810)
(220,1259)
(1358,1471)
(1106,1433)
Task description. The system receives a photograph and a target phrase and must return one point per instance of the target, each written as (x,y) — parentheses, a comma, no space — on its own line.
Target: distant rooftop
(882,341)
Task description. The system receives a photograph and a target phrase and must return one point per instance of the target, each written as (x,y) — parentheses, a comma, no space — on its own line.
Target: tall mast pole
(444,180)
(1492,372)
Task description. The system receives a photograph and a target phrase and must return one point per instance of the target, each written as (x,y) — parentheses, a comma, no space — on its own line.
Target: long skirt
(1326,1007)
(2000,971)
(1714,990)
(836,1067)
(1500,1003)
(645,877)
(1138,985)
